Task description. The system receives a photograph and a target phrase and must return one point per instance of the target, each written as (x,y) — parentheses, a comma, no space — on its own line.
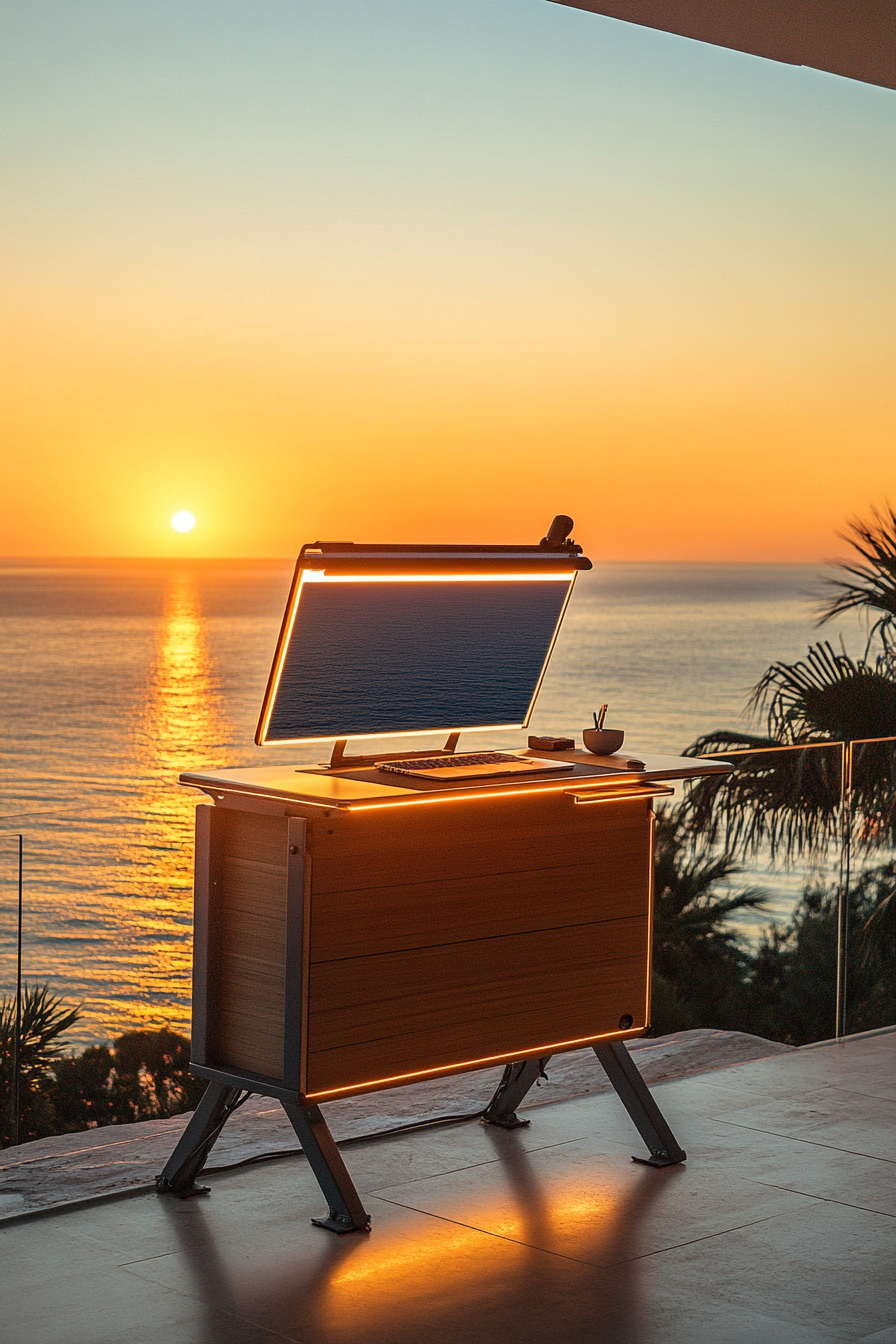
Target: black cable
(354,1138)
(431,1123)
(209,1140)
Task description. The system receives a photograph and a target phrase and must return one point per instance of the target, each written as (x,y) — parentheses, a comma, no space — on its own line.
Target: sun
(183,521)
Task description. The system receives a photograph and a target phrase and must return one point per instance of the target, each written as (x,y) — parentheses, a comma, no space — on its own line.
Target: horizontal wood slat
(380,1016)
(423,914)
(384,848)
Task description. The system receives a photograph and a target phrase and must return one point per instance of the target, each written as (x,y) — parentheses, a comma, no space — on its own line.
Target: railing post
(16,1053)
(843,893)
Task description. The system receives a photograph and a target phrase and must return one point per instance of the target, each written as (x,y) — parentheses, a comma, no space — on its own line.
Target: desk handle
(619,791)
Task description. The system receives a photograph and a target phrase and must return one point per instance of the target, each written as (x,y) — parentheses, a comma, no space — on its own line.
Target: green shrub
(144,1075)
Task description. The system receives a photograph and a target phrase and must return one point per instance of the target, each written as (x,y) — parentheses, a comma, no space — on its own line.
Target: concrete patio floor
(780,1229)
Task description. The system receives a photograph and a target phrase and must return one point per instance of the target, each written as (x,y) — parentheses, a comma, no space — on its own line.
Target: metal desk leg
(346,1214)
(514,1085)
(635,1096)
(196,1142)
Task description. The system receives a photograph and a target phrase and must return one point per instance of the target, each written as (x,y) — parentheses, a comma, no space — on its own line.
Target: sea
(117,675)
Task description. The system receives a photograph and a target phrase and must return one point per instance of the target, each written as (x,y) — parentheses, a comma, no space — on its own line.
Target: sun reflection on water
(181,726)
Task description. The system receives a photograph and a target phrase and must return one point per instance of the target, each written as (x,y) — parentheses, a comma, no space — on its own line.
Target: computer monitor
(380,641)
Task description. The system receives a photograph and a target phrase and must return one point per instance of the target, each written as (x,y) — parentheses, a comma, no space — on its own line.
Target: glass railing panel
(107,911)
(819,819)
(866,929)
(780,802)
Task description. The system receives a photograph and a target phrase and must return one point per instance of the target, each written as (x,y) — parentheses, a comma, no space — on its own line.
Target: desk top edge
(293,784)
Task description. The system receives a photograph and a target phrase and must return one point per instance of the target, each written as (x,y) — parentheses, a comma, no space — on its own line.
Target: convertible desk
(357,930)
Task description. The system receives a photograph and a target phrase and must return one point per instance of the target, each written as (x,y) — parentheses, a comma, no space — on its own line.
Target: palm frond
(789,801)
(44,1019)
(783,801)
(871,584)
(688,875)
(827,695)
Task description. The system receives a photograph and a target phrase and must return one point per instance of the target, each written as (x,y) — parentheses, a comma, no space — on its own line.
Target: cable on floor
(430,1123)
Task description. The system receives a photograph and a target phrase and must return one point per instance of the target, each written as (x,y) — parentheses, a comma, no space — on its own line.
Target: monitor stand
(339,760)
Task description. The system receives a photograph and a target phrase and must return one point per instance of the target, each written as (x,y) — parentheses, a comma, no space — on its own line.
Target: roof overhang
(855,38)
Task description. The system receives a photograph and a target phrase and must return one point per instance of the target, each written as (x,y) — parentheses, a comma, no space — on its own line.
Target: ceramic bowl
(603,741)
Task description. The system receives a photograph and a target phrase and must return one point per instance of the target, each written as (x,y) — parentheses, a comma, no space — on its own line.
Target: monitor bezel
(344,562)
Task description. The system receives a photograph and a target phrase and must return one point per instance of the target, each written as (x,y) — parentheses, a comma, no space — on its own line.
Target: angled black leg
(635,1096)
(347,1213)
(514,1085)
(196,1142)
(218,1103)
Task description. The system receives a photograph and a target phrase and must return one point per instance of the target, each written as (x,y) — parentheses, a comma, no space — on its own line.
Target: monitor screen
(377,655)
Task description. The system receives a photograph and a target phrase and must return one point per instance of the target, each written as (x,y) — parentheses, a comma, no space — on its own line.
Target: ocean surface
(116,676)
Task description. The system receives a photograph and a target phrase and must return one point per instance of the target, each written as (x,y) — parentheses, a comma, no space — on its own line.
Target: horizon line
(24,560)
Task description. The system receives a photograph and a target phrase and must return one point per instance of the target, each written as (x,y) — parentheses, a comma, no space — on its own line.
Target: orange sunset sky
(391,271)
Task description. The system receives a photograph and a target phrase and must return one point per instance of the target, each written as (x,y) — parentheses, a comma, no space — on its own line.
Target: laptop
(470,765)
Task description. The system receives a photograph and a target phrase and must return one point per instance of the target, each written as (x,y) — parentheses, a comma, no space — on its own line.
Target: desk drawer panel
(423,914)
(454,840)
(382,1016)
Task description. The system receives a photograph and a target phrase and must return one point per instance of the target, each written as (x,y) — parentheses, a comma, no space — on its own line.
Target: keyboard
(470,765)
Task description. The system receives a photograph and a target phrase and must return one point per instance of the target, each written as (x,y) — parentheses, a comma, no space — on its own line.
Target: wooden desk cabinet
(353,934)
(342,951)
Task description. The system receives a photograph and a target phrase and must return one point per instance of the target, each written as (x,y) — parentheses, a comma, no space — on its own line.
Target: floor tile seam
(816,1088)
(472,1166)
(211,1173)
(39,1212)
(748,1100)
(794,1138)
(222,1312)
(857,1092)
(126,1264)
(711,1236)
(497,1236)
(825,1199)
(843,1085)
(435,1176)
(603,1264)
(799,1089)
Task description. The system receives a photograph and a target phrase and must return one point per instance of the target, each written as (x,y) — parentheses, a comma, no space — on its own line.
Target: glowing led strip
(606,793)
(321,576)
(519,1053)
